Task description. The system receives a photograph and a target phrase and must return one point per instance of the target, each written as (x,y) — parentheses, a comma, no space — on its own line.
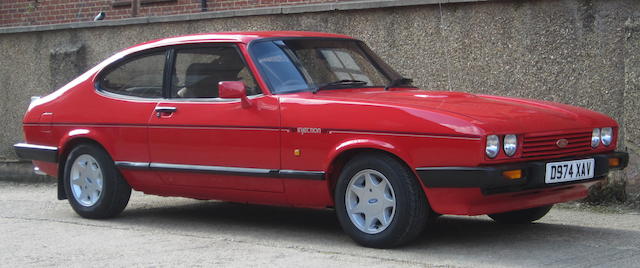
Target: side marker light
(614,162)
(512,174)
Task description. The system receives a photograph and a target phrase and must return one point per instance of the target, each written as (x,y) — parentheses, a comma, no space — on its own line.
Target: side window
(140,76)
(197,72)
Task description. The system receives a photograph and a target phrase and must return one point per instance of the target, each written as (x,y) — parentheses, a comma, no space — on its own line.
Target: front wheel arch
(338,162)
(411,213)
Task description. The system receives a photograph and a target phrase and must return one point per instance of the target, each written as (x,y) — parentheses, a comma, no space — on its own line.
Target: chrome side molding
(236,171)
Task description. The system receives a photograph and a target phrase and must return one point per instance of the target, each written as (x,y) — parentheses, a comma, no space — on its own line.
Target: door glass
(198,71)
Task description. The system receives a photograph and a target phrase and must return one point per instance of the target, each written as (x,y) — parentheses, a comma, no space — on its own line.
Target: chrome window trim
(209,100)
(116,96)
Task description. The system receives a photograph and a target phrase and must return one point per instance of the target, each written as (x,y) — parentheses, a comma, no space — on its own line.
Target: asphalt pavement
(38,230)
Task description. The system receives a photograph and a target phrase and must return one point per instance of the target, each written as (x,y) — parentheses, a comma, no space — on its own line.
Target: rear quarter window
(139,76)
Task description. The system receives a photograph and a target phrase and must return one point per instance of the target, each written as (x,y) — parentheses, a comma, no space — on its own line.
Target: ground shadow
(449,240)
(271,218)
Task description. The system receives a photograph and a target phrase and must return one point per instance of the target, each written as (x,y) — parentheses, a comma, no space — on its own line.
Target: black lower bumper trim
(36,152)
(491,180)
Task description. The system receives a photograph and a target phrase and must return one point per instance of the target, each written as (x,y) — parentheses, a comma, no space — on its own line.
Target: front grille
(544,145)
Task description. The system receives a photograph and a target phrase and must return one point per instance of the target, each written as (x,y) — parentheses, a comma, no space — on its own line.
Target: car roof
(237,37)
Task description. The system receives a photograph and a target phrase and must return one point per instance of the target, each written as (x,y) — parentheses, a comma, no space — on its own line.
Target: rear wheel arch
(64,154)
(72,143)
(92,183)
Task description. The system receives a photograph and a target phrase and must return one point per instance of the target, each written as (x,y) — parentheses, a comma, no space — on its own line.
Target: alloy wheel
(370,201)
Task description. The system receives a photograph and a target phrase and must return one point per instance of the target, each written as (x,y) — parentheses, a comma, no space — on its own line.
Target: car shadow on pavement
(296,225)
(238,219)
(215,212)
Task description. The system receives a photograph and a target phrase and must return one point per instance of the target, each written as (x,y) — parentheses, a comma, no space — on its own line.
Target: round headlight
(606,135)
(595,137)
(493,146)
(510,144)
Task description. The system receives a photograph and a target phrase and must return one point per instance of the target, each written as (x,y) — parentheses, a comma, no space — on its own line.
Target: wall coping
(324,7)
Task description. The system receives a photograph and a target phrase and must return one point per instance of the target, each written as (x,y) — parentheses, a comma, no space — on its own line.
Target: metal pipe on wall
(135,8)
(203,5)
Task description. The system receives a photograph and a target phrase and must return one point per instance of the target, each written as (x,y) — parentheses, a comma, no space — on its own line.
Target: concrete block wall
(579,52)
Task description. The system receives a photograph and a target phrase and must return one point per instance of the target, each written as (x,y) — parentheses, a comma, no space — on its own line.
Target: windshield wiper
(402,81)
(340,83)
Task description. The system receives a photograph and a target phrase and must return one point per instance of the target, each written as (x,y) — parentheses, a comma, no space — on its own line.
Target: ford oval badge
(561,143)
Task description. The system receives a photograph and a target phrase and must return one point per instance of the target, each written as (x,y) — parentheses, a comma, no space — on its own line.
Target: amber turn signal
(512,174)
(614,162)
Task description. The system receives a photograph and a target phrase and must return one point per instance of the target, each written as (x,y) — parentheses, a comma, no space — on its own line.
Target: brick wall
(41,12)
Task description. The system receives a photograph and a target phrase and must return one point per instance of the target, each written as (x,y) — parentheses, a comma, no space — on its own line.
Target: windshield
(295,65)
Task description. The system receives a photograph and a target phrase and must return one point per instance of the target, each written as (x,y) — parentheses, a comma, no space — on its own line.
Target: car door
(197,139)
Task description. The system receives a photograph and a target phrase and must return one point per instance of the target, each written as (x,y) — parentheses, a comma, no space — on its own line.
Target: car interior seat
(200,82)
(202,79)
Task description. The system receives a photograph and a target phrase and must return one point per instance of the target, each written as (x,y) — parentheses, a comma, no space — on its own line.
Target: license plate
(569,170)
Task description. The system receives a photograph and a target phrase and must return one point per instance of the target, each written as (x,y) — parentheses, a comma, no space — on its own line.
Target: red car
(308,120)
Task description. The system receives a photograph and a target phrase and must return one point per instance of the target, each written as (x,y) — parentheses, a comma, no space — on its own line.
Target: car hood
(490,113)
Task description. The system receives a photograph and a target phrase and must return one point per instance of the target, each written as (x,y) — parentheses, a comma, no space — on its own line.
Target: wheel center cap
(373,200)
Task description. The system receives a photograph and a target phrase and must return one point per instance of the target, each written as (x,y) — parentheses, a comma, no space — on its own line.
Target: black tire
(411,209)
(115,193)
(521,216)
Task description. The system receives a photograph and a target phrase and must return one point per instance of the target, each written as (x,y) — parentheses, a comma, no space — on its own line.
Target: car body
(272,133)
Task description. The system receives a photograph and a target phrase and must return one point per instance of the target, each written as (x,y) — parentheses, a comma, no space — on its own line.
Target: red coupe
(308,120)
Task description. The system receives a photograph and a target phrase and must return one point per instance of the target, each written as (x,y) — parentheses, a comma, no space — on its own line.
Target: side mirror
(234,90)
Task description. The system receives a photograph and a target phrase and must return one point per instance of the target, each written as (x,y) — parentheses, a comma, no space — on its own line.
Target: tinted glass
(279,70)
(140,76)
(198,71)
(306,64)
(330,62)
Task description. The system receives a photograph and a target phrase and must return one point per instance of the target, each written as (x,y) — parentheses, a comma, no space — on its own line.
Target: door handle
(165,110)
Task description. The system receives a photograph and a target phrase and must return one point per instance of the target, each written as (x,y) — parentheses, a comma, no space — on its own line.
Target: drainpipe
(135,8)
(203,5)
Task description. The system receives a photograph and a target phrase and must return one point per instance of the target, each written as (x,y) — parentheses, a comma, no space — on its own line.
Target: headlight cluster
(493,146)
(510,145)
(604,135)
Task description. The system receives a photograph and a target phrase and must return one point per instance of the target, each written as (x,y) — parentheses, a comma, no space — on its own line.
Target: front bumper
(490,179)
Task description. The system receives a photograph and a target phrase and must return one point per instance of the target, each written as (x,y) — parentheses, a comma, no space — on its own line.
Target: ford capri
(311,120)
